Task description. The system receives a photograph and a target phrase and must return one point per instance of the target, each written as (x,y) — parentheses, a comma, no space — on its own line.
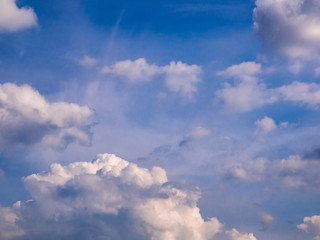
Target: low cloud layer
(108,198)
(311,225)
(27,118)
(179,77)
(14,19)
(290,27)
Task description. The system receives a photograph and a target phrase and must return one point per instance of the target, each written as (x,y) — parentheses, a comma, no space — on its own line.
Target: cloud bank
(108,198)
(27,118)
(14,19)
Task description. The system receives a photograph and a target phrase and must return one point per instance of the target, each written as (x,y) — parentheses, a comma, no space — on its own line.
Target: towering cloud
(13,18)
(28,118)
(108,198)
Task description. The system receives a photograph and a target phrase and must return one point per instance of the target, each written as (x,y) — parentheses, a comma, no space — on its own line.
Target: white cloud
(133,71)
(249,92)
(291,27)
(28,118)
(245,96)
(14,19)
(264,126)
(245,71)
(235,235)
(311,225)
(308,93)
(8,227)
(108,198)
(182,78)
(179,77)
(197,133)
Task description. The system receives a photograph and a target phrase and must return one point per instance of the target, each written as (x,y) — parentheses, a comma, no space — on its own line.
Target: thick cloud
(179,77)
(235,235)
(13,18)
(108,198)
(291,27)
(28,118)
(311,225)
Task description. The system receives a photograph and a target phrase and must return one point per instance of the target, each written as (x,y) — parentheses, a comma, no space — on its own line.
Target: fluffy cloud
(182,78)
(248,92)
(107,198)
(311,225)
(235,235)
(28,118)
(264,126)
(179,77)
(308,93)
(133,71)
(291,27)
(13,18)
(246,71)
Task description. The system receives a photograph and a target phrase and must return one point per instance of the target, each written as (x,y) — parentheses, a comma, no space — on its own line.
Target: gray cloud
(290,27)
(27,118)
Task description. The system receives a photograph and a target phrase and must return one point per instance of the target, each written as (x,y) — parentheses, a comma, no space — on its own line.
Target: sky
(162,120)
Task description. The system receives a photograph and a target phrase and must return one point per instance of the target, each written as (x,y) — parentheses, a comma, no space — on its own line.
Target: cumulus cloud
(235,235)
(308,93)
(182,78)
(249,92)
(264,126)
(179,77)
(311,225)
(14,19)
(28,118)
(246,71)
(133,71)
(108,198)
(290,27)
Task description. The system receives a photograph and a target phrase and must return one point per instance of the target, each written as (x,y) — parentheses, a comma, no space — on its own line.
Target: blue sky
(210,107)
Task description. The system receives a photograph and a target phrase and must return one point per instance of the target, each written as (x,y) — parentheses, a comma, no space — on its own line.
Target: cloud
(28,118)
(14,19)
(308,93)
(179,77)
(8,227)
(311,225)
(136,71)
(264,126)
(245,71)
(108,198)
(87,61)
(197,133)
(235,235)
(266,221)
(249,92)
(290,27)
(182,78)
